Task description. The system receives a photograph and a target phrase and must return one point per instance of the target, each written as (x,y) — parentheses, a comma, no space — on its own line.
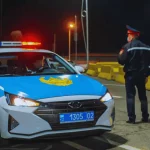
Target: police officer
(134,57)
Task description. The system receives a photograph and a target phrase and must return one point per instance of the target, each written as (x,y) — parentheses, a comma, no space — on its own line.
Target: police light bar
(17,43)
(31,43)
(9,43)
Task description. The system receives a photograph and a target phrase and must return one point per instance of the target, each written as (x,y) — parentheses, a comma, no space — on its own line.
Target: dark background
(107,20)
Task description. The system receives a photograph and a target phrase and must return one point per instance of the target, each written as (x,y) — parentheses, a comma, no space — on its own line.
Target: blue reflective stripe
(139,48)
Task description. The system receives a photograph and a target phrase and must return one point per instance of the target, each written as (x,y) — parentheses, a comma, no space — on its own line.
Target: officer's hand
(146,80)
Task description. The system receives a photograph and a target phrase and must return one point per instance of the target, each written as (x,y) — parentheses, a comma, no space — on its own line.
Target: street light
(84,13)
(76,38)
(71,26)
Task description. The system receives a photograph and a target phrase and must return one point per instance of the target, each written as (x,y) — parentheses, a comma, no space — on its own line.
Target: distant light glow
(71,25)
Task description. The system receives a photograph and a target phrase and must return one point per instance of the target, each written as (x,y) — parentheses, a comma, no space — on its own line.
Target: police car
(42,95)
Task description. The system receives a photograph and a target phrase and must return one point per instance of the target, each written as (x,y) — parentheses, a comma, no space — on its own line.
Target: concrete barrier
(96,69)
(115,71)
(148,84)
(100,64)
(91,73)
(92,66)
(106,63)
(106,72)
(92,70)
(120,76)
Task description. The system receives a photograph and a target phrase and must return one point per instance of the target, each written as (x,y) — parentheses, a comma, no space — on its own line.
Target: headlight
(20,101)
(106,97)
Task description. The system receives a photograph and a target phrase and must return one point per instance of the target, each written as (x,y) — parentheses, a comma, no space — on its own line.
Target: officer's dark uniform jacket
(135,57)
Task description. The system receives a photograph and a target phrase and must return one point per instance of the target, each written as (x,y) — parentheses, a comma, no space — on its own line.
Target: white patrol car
(41,94)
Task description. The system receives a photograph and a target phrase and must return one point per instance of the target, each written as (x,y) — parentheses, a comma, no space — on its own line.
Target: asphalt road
(122,137)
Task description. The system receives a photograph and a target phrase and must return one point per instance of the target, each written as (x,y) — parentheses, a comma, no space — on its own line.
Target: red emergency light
(31,43)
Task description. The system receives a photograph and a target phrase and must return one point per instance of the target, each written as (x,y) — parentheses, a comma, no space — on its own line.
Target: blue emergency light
(18,43)
(9,43)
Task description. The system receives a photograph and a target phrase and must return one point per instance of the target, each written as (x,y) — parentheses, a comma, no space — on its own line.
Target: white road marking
(127,147)
(75,145)
(115,85)
(103,139)
(117,96)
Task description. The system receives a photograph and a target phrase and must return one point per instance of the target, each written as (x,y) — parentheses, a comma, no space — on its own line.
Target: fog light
(12,123)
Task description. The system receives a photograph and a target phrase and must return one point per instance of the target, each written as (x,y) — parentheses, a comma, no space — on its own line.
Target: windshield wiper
(52,73)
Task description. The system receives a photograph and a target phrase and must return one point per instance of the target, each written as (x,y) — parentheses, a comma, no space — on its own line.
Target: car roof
(10,50)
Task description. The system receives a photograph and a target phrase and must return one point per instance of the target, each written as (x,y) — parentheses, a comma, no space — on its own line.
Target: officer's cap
(132,30)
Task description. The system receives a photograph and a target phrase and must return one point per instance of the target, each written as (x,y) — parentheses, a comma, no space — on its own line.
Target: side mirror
(79,68)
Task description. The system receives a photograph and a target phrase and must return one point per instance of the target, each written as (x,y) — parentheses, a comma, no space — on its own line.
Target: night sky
(107,21)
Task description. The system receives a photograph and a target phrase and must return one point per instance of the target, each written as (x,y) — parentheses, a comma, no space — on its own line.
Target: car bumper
(29,124)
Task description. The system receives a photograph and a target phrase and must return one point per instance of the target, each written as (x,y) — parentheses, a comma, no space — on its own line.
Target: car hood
(48,86)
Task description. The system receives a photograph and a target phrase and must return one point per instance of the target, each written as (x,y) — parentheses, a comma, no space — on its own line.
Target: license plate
(76,117)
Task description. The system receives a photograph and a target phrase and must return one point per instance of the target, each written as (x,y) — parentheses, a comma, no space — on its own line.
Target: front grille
(53,109)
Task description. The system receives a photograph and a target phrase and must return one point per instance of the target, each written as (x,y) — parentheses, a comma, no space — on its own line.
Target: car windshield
(72,63)
(32,63)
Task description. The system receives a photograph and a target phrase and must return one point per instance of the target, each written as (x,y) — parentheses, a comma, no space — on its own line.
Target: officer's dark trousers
(132,80)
